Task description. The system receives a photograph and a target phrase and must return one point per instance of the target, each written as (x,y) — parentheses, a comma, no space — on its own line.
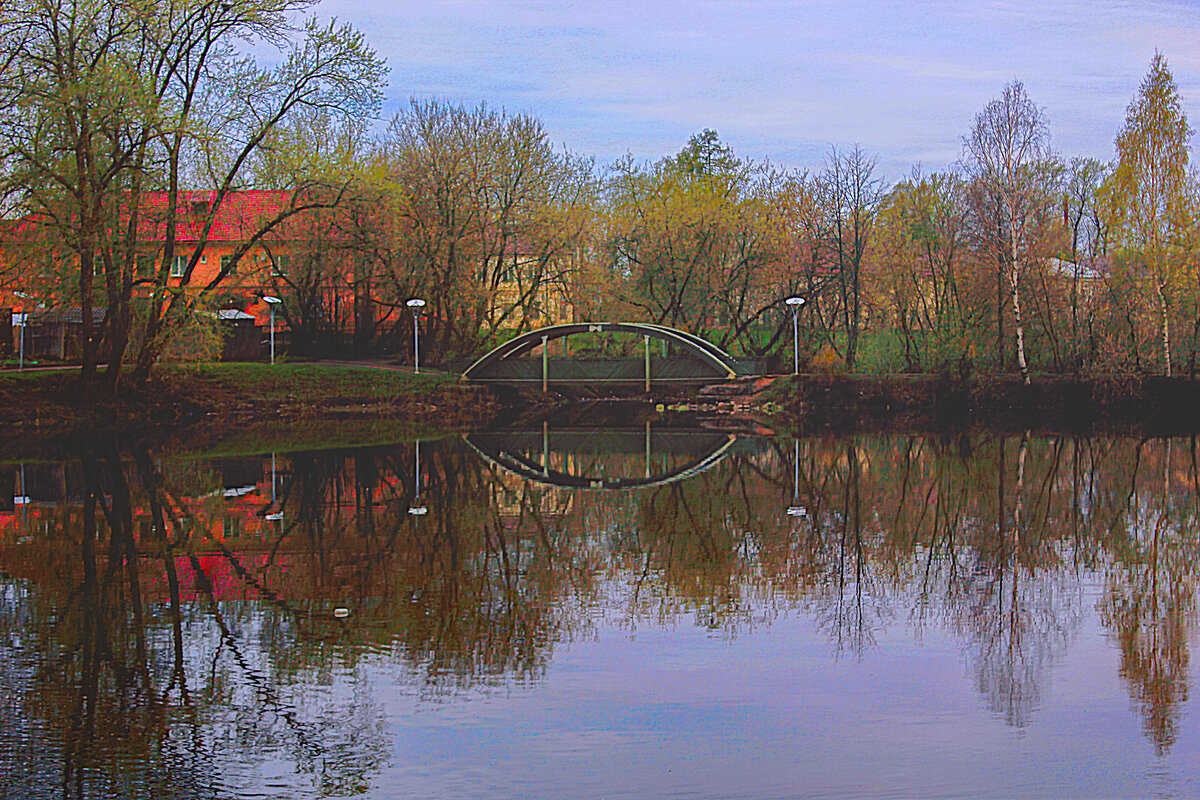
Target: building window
(229,265)
(508,270)
(179,266)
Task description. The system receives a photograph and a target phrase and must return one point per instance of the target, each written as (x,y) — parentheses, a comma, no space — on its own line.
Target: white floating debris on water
(341,612)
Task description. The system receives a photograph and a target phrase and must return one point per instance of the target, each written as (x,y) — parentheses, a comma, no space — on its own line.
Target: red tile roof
(239,217)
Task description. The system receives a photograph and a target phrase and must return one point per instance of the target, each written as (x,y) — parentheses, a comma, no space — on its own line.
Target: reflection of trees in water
(1019,602)
(1150,600)
(957,534)
(99,691)
(490,578)
(473,591)
(848,592)
(172,646)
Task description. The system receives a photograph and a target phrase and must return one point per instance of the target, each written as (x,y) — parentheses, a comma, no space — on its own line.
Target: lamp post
(20,320)
(272,302)
(795,301)
(416,303)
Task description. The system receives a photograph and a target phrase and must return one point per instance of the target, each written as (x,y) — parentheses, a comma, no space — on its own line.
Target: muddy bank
(1150,406)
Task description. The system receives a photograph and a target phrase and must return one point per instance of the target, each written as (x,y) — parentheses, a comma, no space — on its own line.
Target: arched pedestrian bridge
(675,358)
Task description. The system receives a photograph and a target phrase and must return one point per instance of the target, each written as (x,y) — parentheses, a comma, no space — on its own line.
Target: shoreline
(1128,405)
(308,403)
(303,403)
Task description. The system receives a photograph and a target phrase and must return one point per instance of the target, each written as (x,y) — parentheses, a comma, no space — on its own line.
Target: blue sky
(782,80)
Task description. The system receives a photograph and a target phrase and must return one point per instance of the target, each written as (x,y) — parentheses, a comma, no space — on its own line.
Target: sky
(782,81)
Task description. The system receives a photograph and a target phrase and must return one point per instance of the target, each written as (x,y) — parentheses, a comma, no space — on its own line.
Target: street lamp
(416,303)
(272,302)
(795,301)
(20,320)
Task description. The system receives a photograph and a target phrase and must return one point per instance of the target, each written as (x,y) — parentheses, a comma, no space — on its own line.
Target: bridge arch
(720,362)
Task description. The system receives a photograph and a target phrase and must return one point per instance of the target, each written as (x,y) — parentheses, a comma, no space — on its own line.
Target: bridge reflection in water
(586,456)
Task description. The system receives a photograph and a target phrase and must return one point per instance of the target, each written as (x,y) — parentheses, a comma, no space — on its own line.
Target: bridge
(698,361)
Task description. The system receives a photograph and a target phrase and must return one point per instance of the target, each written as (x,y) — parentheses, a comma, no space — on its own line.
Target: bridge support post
(545,364)
(647,338)
(647,448)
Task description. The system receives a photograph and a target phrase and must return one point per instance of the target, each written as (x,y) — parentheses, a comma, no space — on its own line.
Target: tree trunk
(1166,330)
(1000,274)
(1014,281)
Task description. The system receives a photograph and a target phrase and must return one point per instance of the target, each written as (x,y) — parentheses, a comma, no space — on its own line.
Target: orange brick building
(29,282)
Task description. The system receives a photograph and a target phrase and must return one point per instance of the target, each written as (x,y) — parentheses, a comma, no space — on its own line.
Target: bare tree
(851,194)
(1009,139)
(1087,230)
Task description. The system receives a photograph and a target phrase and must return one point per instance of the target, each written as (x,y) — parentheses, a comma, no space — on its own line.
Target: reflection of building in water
(218,500)
(248,533)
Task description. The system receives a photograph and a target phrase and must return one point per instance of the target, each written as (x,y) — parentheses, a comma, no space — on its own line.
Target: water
(635,613)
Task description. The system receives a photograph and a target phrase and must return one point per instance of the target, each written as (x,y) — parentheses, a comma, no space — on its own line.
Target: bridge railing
(600,370)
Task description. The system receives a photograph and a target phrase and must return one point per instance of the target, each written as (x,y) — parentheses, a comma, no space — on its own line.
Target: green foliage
(706,155)
(196,337)
(1152,198)
(290,381)
(882,354)
(700,241)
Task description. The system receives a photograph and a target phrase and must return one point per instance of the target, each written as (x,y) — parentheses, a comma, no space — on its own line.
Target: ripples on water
(627,614)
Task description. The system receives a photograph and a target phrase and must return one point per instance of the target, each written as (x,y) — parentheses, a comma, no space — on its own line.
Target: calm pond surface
(630,613)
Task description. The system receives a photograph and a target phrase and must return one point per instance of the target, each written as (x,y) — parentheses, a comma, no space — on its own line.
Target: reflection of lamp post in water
(416,303)
(795,509)
(22,499)
(417,509)
(795,301)
(274,516)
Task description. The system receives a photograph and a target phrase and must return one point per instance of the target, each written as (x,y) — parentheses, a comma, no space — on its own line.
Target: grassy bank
(1149,405)
(229,394)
